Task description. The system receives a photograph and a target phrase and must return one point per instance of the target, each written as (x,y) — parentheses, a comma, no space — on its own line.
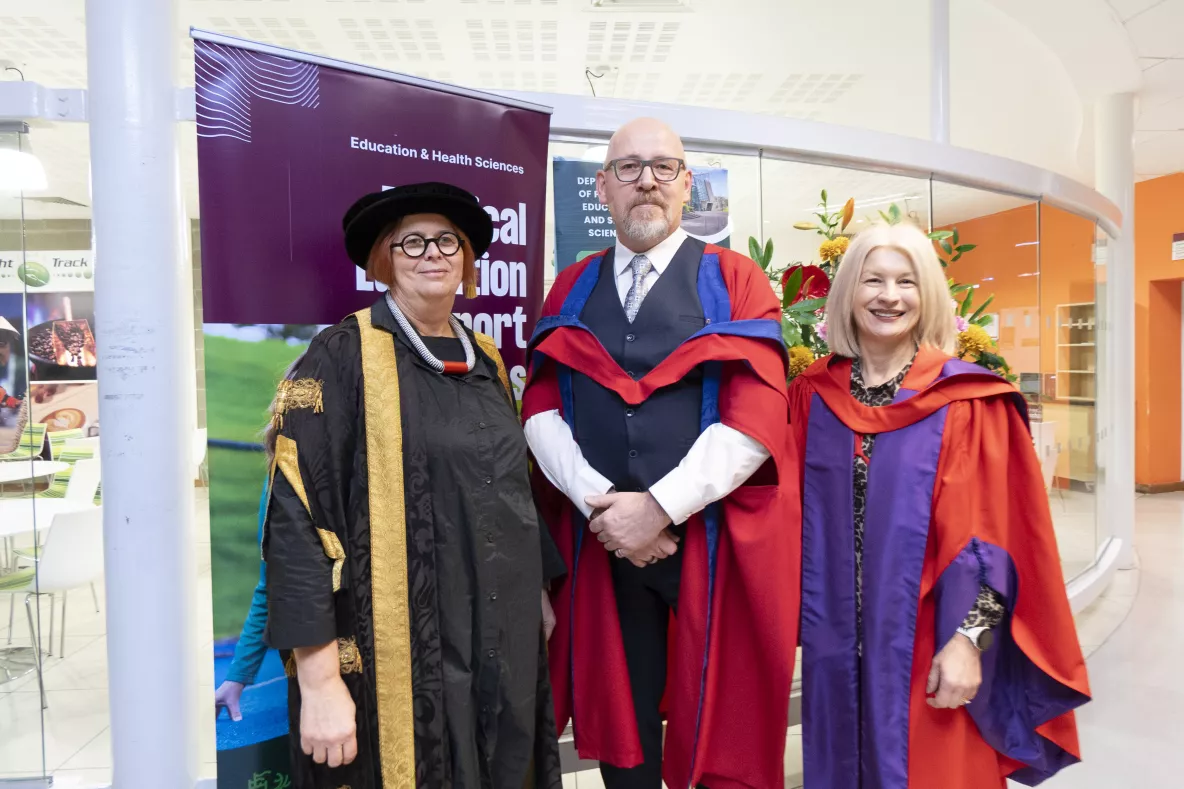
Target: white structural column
(1115,154)
(145,383)
(939,71)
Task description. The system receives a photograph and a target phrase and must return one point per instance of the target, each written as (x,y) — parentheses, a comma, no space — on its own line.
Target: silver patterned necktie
(641,266)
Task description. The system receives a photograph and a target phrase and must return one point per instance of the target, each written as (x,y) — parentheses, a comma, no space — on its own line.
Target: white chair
(81,489)
(72,557)
(84,481)
(92,443)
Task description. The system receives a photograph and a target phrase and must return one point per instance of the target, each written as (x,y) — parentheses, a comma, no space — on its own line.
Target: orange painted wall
(1004,264)
(1067,276)
(1159,213)
(1162,444)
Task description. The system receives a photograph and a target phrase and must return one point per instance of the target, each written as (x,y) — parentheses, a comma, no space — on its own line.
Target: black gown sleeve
(305,528)
(300,609)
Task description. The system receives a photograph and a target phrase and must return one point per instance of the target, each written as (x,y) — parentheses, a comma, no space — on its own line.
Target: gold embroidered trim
(287,461)
(388,558)
(349,655)
(334,551)
(490,347)
(300,393)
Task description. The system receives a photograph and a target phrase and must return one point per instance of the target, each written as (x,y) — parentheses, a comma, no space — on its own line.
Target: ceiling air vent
(642,5)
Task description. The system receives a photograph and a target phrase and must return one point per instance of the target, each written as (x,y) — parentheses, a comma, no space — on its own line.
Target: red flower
(815,283)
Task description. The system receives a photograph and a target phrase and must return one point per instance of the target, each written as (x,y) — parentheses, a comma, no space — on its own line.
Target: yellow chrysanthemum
(973,340)
(832,249)
(800,357)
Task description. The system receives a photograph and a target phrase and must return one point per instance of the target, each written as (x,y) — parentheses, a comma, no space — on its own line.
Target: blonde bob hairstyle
(935,326)
(381,265)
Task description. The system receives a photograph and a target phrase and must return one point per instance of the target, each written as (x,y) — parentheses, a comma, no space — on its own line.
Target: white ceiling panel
(1157,32)
(1166,116)
(1162,82)
(1127,9)
(1159,154)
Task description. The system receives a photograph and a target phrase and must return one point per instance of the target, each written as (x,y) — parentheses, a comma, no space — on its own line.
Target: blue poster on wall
(583,226)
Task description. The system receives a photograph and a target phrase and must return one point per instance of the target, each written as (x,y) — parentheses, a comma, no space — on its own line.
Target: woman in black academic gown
(405,563)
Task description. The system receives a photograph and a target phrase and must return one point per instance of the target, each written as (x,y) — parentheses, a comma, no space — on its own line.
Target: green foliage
(763,257)
(800,321)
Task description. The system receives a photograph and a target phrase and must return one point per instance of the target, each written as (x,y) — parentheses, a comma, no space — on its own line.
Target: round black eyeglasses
(415,246)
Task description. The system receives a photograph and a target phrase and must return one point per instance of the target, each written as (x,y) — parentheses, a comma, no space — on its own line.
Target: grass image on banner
(244,364)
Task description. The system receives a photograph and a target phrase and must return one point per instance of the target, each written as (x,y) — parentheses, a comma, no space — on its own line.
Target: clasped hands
(633,524)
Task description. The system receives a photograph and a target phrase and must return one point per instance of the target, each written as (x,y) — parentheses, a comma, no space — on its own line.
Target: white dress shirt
(719,461)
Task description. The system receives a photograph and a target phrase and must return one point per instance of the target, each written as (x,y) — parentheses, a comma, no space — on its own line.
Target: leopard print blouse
(988,609)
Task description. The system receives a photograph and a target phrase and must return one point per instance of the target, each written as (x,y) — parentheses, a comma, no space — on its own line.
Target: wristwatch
(981,637)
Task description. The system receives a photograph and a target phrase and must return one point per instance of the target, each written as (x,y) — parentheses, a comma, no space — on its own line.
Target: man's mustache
(647,201)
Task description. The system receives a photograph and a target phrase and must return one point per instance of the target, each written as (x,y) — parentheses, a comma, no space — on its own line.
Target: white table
(21,470)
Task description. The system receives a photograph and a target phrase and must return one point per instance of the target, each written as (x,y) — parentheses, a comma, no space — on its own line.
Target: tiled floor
(77,734)
(1131,735)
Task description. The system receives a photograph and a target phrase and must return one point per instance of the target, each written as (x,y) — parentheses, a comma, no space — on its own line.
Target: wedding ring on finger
(965,702)
(620,554)
(652,560)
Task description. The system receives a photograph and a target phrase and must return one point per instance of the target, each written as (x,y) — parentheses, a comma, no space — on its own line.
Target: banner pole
(145,388)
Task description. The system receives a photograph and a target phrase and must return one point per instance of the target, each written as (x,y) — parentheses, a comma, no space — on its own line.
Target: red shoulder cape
(736,738)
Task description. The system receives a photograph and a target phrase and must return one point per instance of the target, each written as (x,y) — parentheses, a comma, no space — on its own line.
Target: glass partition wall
(1069,360)
(53,679)
(24,629)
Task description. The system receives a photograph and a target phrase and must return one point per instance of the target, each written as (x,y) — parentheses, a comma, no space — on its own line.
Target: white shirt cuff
(559,456)
(719,461)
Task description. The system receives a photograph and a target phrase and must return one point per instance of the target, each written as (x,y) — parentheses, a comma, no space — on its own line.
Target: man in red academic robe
(656,413)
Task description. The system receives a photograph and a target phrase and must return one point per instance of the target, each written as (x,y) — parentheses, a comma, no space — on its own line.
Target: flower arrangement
(804,289)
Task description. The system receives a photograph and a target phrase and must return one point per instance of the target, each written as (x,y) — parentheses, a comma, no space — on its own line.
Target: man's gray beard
(646,231)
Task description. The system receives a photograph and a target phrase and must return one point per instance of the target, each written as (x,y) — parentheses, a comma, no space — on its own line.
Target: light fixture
(20,170)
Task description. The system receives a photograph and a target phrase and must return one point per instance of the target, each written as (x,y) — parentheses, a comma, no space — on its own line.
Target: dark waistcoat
(635,446)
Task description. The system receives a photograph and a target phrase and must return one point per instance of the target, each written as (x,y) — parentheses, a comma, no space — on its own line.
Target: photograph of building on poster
(706,216)
(244,364)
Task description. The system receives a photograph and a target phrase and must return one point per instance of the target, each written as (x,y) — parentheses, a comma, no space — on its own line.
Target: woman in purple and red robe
(938,647)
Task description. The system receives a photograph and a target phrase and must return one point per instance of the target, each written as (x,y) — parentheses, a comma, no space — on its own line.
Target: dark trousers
(645,599)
